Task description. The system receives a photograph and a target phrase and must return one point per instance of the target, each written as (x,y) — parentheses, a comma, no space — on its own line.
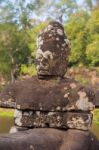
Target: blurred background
(22,20)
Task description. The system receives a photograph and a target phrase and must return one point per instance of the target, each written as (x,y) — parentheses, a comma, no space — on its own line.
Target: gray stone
(48,95)
(16,129)
(49,139)
(97,98)
(61,120)
(53,48)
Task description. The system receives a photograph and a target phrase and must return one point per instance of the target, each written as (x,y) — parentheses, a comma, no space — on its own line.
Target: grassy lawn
(96,116)
(6,112)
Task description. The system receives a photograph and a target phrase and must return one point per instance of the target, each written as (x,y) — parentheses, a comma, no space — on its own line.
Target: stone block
(61,120)
(49,139)
(48,95)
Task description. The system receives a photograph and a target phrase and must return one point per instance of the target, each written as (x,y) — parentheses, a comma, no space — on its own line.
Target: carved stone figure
(50,100)
(53,48)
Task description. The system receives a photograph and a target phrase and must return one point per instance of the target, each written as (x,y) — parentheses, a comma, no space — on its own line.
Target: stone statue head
(52,51)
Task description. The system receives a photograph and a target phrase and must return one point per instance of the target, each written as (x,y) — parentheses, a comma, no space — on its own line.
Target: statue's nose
(44,61)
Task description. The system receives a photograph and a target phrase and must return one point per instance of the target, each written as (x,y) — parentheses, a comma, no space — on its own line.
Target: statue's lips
(43,69)
(41,72)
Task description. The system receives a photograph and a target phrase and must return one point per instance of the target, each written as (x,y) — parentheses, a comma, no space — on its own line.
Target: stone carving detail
(61,120)
(53,48)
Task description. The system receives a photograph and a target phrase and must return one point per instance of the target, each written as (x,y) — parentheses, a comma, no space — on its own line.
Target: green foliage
(7,12)
(81,79)
(96,116)
(6,113)
(14,49)
(84,37)
(93,52)
(75,29)
(28,70)
(93,23)
(64,8)
(33,33)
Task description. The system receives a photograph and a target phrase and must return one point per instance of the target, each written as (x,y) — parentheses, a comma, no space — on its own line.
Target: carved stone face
(45,61)
(52,51)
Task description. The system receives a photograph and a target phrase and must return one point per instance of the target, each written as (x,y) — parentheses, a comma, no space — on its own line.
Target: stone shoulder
(47,95)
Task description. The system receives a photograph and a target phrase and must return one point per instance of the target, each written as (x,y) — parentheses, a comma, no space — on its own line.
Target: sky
(48,1)
(79,1)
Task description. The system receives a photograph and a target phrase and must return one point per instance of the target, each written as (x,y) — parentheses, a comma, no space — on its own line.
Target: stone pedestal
(61,120)
(49,100)
(49,139)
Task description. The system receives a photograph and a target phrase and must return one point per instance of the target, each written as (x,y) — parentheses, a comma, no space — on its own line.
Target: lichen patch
(73,85)
(83,102)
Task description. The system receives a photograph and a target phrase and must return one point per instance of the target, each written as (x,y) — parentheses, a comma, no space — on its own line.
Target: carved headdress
(53,48)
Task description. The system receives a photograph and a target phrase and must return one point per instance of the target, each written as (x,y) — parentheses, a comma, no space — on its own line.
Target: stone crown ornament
(53,48)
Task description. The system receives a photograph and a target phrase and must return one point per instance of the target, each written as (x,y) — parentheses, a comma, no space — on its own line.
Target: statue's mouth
(43,72)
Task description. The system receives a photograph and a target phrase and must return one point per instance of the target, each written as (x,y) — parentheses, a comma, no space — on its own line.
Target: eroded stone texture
(65,120)
(48,95)
(7,99)
(15,129)
(49,139)
(97,98)
(53,48)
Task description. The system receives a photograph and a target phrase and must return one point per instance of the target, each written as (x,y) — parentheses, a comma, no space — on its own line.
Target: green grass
(81,79)
(96,116)
(6,113)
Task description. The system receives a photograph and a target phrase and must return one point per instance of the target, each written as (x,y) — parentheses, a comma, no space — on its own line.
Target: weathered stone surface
(7,99)
(48,95)
(97,98)
(62,120)
(53,48)
(49,139)
(15,129)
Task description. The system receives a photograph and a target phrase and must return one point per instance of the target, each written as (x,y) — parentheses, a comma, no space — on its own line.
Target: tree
(76,30)
(93,23)
(89,4)
(63,9)
(92,28)
(14,49)
(92,52)
(7,12)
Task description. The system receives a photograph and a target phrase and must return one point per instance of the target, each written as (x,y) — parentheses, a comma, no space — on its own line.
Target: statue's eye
(48,56)
(39,56)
